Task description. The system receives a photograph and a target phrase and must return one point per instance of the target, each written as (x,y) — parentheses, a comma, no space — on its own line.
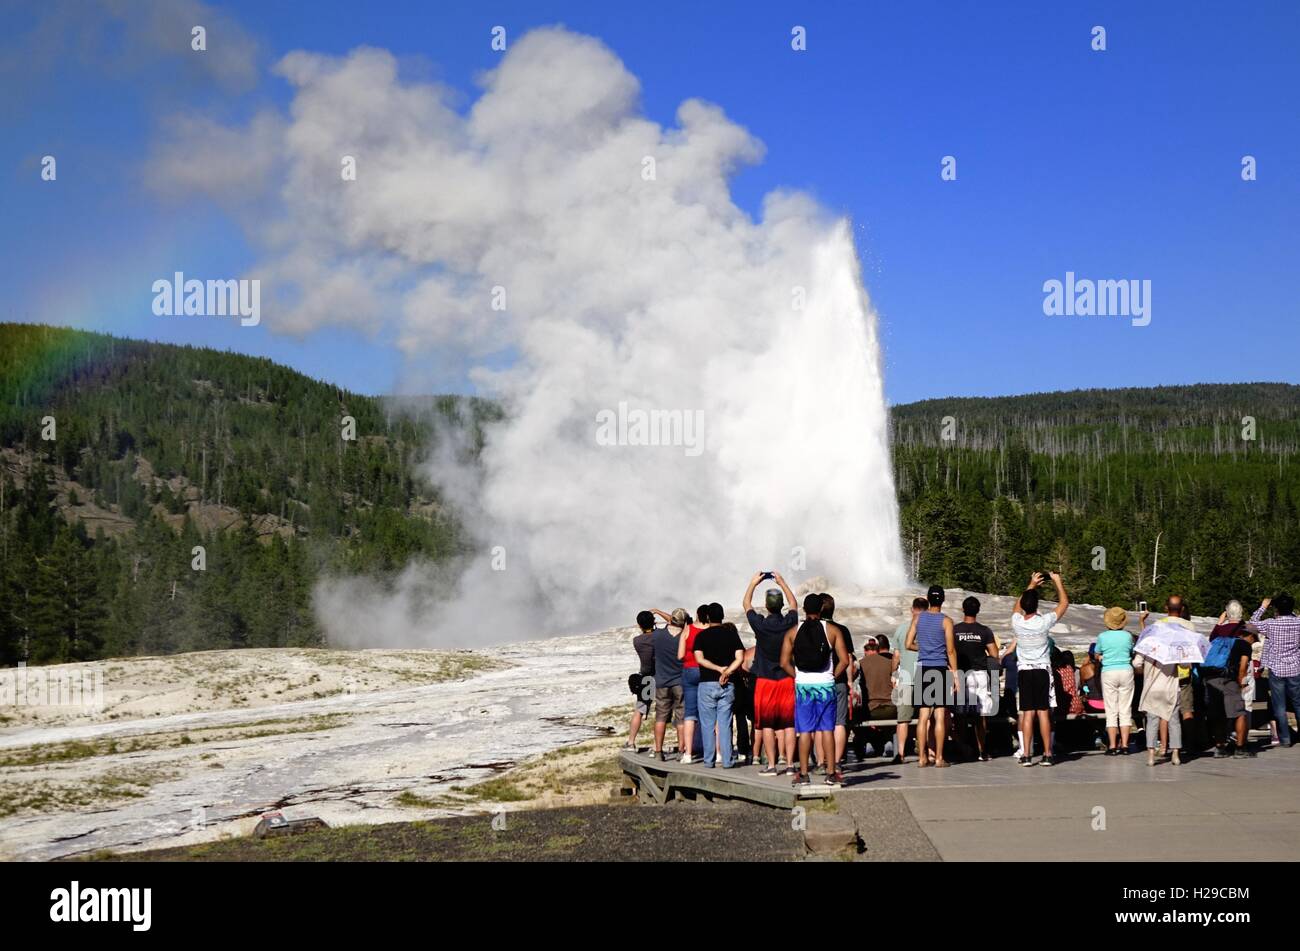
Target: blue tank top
(932,646)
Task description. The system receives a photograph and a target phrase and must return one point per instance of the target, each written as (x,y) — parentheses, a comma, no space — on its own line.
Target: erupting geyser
(794,467)
(626,283)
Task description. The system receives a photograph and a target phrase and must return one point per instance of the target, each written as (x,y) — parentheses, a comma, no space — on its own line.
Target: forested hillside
(158,449)
(993,488)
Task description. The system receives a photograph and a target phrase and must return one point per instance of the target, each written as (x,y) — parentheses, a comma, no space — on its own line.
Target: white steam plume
(658,293)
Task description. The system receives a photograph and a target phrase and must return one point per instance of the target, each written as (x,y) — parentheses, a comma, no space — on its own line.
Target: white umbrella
(1167,643)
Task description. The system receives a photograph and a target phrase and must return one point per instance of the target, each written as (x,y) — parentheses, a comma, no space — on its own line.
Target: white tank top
(818,677)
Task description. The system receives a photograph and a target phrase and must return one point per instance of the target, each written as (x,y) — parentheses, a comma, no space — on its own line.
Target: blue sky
(1117,164)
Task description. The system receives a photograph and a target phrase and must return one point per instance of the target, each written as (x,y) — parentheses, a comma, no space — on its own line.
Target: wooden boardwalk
(660,782)
(657,782)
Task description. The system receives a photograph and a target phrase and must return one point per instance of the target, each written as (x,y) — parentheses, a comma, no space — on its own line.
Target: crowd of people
(802,698)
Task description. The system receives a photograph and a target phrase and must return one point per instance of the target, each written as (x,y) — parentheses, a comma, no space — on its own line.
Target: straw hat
(1115,618)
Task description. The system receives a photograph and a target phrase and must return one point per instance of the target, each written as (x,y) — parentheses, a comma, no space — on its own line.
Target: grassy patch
(46,796)
(582,833)
(500,789)
(57,753)
(410,800)
(564,843)
(52,753)
(824,804)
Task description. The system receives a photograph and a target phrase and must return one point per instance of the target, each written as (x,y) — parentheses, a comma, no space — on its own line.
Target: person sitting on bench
(877,676)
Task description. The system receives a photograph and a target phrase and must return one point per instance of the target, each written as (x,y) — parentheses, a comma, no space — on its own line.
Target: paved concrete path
(1092,807)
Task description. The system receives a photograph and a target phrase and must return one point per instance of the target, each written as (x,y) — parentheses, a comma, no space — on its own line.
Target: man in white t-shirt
(1032,642)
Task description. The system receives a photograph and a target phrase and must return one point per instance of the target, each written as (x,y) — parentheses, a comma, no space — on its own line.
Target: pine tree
(67,605)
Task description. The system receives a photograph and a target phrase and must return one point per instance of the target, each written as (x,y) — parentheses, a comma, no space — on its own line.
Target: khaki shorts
(902,698)
(670,702)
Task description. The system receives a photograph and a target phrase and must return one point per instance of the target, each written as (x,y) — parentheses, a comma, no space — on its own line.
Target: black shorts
(1034,690)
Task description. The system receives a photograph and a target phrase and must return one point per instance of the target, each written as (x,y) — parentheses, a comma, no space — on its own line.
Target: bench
(875,724)
(1001,725)
(1004,718)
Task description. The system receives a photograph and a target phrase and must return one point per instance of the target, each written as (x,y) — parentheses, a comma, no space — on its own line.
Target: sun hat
(1116,618)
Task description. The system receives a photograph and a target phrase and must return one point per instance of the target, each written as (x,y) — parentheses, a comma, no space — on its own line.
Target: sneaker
(835,779)
(1112,751)
(801,779)
(1026,760)
(742,758)
(767,771)
(686,758)
(659,755)
(1047,760)
(1221,752)
(1124,751)
(1243,753)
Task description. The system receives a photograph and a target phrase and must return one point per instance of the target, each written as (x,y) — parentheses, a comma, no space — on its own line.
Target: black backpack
(812,649)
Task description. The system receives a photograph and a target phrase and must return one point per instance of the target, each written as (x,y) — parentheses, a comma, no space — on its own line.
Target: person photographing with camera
(773,687)
(1032,644)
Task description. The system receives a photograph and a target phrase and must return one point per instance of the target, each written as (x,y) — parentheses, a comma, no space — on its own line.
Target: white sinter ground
(394,736)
